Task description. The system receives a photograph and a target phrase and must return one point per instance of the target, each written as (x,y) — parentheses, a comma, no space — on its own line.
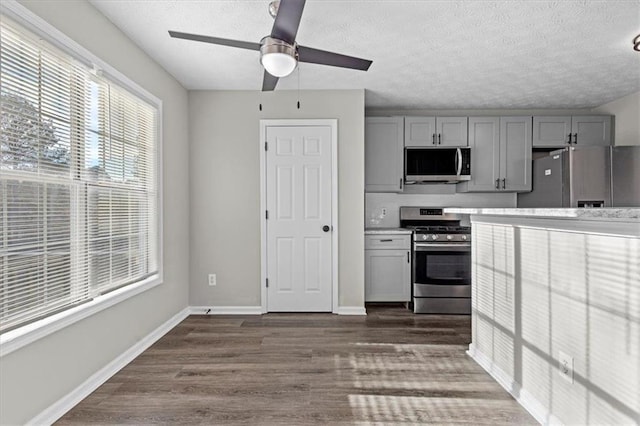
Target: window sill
(16,339)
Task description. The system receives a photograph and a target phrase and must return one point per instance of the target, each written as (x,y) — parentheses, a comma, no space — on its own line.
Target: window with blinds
(78,181)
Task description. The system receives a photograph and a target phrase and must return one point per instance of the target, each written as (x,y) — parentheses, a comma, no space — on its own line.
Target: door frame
(333,124)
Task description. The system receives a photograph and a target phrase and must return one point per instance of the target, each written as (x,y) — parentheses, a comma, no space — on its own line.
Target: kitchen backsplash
(382,209)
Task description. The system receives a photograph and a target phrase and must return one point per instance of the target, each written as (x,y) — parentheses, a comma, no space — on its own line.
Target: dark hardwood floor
(390,367)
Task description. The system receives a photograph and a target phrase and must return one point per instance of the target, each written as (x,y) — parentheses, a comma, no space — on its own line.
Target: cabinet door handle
(386,241)
(400,183)
(504,183)
(569,138)
(439,139)
(408,257)
(434,138)
(575,138)
(497,183)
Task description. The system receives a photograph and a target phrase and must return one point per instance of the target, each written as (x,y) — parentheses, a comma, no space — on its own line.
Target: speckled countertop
(378,231)
(609,213)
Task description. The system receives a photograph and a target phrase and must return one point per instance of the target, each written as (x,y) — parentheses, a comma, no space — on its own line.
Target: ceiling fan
(279,52)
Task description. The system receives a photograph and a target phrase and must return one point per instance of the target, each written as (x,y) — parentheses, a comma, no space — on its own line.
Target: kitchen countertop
(378,231)
(609,213)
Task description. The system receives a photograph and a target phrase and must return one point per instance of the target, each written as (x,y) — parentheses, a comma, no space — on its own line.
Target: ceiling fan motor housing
(278,57)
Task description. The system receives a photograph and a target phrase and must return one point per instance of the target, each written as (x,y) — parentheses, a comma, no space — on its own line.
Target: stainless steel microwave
(437,164)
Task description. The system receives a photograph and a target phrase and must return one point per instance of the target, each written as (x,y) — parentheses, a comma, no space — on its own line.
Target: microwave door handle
(458,161)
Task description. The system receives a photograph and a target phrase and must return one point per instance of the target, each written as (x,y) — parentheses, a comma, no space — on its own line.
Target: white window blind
(78,181)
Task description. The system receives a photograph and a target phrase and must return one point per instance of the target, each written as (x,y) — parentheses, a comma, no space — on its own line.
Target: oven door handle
(442,246)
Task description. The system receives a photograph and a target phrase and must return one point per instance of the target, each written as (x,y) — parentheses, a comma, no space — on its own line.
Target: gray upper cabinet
(500,155)
(551,132)
(435,131)
(591,130)
(561,131)
(515,153)
(384,154)
(452,131)
(420,131)
(484,141)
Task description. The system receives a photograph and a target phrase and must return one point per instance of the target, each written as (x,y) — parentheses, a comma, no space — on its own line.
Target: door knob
(326,228)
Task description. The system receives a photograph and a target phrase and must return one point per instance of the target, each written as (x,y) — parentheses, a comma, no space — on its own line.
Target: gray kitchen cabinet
(387,263)
(515,154)
(384,162)
(500,155)
(419,131)
(561,131)
(484,141)
(435,131)
(591,130)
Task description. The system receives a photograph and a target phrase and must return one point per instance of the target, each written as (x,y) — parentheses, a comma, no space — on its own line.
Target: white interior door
(298,200)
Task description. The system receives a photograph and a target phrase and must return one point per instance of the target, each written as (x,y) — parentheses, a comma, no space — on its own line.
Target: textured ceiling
(426,54)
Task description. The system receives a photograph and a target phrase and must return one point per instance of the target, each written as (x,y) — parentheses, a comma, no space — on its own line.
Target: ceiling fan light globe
(278,64)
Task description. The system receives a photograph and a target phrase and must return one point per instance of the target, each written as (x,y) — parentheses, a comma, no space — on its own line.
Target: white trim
(263,222)
(333,123)
(67,402)
(16,339)
(522,396)
(351,310)
(225,310)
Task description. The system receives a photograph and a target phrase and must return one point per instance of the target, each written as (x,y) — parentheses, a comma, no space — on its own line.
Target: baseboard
(225,310)
(351,310)
(66,403)
(257,310)
(522,396)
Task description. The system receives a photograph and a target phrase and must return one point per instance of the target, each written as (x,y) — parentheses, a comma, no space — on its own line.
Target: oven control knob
(449,237)
(434,237)
(464,238)
(424,237)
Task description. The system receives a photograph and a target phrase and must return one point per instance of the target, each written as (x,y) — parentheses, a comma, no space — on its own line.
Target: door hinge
(266,146)
(266,214)
(267,280)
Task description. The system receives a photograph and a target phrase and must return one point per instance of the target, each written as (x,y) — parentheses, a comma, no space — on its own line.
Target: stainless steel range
(441,273)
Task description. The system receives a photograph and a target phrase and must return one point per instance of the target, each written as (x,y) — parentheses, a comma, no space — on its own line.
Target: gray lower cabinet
(501,155)
(577,130)
(387,268)
(384,154)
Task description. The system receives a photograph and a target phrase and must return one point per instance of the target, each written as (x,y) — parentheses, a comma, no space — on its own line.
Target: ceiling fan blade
(323,57)
(216,40)
(287,20)
(269,82)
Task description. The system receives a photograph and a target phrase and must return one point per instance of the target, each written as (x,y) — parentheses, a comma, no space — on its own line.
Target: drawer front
(387,241)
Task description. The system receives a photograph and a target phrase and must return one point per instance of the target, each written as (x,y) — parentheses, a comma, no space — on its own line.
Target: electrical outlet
(212,279)
(565,365)
(384,211)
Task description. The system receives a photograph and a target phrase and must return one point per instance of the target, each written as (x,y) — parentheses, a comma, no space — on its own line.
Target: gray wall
(225,188)
(627,121)
(39,374)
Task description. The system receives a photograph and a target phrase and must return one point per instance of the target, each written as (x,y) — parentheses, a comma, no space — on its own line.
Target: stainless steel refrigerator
(625,176)
(586,177)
